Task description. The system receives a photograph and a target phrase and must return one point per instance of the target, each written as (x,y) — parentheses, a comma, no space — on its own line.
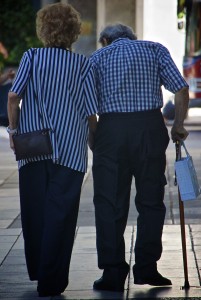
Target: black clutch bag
(31,144)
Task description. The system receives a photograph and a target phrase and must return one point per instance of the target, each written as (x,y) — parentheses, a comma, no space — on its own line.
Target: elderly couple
(121,82)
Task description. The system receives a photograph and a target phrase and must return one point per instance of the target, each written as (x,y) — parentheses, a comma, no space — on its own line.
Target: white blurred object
(3,132)
(194,112)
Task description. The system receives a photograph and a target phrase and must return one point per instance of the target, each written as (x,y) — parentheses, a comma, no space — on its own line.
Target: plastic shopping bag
(187,178)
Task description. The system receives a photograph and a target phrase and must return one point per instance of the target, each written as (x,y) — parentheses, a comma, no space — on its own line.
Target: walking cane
(182,223)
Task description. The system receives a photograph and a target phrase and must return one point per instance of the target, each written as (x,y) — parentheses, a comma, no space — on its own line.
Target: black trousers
(49,198)
(129,145)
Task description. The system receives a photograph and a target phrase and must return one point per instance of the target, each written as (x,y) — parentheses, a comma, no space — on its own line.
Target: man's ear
(104,42)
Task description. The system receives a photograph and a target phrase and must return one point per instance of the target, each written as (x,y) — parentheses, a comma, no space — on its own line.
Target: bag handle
(183,144)
(178,145)
(34,92)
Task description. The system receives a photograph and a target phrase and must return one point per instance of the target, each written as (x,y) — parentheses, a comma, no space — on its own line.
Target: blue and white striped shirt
(65,88)
(129,75)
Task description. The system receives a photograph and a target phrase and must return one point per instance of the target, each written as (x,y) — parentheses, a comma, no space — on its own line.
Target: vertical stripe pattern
(65,88)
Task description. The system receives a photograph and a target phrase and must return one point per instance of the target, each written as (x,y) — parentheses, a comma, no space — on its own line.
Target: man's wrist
(178,125)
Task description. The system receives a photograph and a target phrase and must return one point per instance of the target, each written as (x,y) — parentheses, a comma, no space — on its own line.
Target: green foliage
(17,29)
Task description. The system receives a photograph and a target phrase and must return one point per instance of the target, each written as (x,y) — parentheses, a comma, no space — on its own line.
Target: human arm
(173,81)
(7,75)
(92,121)
(91,104)
(13,114)
(178,132)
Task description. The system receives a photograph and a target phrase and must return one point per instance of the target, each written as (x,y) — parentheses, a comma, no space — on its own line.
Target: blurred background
(174,23)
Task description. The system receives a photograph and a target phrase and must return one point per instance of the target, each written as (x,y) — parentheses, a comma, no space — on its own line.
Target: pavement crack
(10,249)
(6,180)
(194,253)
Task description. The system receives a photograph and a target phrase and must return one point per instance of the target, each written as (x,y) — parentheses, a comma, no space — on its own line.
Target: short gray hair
(114,32)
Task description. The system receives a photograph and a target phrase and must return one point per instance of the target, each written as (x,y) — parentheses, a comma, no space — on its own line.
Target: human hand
(11,142)
(10,74)
(91,141)
(178,133)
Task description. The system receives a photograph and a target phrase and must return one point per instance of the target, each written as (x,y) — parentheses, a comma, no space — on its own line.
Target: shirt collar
(120,39)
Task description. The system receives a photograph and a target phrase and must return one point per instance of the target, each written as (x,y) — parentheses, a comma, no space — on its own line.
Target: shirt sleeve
(23,74)
(170,76)
(94,65)
(91,105)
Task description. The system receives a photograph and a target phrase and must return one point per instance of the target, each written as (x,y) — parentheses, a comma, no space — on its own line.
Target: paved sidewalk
(14,282)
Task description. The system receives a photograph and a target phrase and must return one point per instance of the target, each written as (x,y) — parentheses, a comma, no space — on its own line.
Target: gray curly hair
(114,32)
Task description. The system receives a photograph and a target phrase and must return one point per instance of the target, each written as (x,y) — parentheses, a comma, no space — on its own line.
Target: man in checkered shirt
(131,141)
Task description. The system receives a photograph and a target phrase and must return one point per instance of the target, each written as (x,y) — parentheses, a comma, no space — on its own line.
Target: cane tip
(186,286)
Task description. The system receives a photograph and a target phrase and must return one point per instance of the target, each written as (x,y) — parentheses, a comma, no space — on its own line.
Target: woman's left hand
(11,142)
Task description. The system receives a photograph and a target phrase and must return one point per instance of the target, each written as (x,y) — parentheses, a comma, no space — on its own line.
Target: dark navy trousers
(49,197)
(129,145)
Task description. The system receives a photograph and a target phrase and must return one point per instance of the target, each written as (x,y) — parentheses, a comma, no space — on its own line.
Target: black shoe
(155,279)
(113,278)
(46,293)
(102,285)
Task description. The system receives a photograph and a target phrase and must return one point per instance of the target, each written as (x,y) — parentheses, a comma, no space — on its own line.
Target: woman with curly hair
(56,87)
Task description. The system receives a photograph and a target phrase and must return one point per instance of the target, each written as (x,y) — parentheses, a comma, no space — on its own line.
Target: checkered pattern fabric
(129,75)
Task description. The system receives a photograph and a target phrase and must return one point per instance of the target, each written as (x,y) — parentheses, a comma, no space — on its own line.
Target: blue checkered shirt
(129,75)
